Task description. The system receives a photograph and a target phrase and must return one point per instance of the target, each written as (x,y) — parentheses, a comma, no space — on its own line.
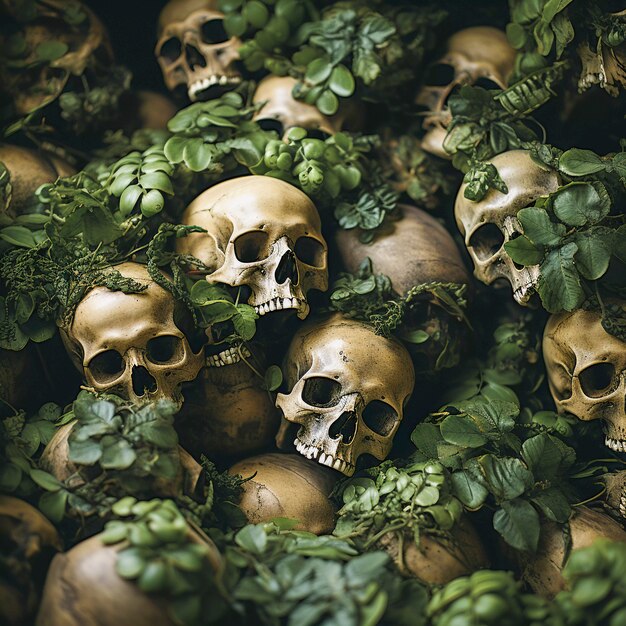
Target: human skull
(282,111)
(262,233)
(490,223)
(31,82)
(132,344)
(194,50)
(413,250)
(479,56)
(586,369)
(348,388)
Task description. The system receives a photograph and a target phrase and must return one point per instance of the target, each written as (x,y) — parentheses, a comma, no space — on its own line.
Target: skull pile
(587,371)
(345,402)
(132,344)
(194,50)
(263,234)
(490,223)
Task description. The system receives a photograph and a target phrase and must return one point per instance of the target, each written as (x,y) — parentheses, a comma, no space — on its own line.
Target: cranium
(262,233)
(586,369)
(194,50)
(282,111)
(347,392)
(132,344)
(480,56)
(31,82)
(488,224)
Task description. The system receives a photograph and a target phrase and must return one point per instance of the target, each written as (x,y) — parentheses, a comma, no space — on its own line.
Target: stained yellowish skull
(490,223)
(261,233)
(480,56)
(282,111)
(586,369)
(132,344)
(347,388)
(34,80)
(194,50)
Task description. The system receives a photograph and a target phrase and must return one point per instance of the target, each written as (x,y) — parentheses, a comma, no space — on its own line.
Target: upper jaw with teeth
(214,79)
(617,445)
(281,304)
(230,356)
(522,294)
(313,452)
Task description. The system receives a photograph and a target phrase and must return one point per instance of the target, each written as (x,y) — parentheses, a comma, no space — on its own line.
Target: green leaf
(471,492)
(318,70)
(553,504)
(18,236)
(45,480)
(252,538)
(160,435)
(516,35)
(462,431)
(197,155)
(118,456)
(577,162)
(327,103)
(506,477)
(577,204)
(594,252)
(273,378)
(523,251)
(518,524)
(129,198)
(245,321)
(84,452)
(559,284)
(539,228)
(341,81)
(547,457)
(235,25)
(52,504)
(51,50)
(174,149)
(157,180)
(152,203)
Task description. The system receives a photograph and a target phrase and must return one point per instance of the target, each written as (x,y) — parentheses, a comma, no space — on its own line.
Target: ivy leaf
(523,251)
(547,457)
(470,491)
(506,477)
(518,524)
(594,252)
(245,321)
(559,283)
(461,431)
(539,228)
(578,204)
(578,162)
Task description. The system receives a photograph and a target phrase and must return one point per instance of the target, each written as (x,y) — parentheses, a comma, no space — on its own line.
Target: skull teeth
(522,294)
(230,356)
(617,445)
(313,452)
(622,504)
(281,304)
(214,79)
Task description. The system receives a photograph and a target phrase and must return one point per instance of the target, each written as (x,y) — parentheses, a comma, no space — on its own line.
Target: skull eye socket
(486,241)
(165,349)
(317,133)
(270,124)
(213,32)
(487,83)
(106,366)
(597,380)
(310,251)
(439,75)
(252,246)
(380,417)
(171,50)
(321,392)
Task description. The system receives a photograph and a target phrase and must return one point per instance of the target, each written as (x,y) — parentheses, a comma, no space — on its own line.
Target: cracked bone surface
(193,49)
(347,392)
(261,233)
(488,224)
(586,369)
(481,56)
(132,344)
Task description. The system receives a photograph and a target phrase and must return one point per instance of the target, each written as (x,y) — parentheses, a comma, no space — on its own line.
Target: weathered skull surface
(262,233)
(586,369)
(132,344)
(194,50)
(282,111)
(480,56)
(32,82)
(347,392)
(488,224)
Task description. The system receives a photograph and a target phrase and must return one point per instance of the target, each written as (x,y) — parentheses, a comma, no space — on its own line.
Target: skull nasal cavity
(194,58)
(345,427)
(287,269)
(143,381)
